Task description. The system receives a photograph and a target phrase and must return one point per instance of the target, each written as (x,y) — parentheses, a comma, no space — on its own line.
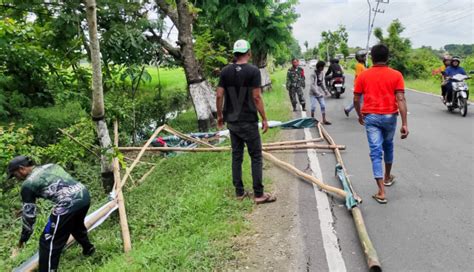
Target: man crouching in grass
(240,84)
(384,97)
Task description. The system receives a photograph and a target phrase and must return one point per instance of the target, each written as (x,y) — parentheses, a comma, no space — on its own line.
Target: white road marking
(416,91)
(326,221)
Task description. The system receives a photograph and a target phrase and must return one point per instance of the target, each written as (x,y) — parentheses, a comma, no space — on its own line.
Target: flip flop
(390,181)
(268,199)
(242,197)
(327,123)
(380,200)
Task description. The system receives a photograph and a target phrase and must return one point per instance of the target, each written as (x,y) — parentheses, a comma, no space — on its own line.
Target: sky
(432,23)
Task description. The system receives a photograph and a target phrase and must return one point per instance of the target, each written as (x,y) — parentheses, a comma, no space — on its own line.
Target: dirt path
(273,242)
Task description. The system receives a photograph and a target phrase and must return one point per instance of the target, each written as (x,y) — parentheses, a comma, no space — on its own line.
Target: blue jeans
(380,131)
(321,102)
(350,107)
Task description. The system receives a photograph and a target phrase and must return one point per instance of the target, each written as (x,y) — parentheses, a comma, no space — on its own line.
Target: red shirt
(379,84)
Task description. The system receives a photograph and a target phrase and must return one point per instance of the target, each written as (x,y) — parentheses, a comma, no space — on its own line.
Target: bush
(45,121)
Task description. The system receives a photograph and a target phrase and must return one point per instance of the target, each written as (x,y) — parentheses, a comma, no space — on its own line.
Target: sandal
(379,199)
(242,197)
(327,123)
(390,181)
(268,199)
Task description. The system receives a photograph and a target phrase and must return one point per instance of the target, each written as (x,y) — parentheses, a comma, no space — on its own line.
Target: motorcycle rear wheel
(463,106)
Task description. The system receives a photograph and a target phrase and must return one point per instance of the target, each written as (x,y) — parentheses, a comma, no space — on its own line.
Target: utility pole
(375,10)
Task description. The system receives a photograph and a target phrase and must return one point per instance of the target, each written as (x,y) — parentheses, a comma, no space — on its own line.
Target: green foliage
(333,42)
(462,50)
(46,121)
(210,54)
(399,48)
(264,23)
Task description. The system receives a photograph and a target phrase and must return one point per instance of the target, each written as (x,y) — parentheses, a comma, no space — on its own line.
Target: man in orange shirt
(384,97)
(361,57)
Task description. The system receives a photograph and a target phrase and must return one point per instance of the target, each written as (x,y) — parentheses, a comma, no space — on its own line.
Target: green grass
(424,85)
(183,217)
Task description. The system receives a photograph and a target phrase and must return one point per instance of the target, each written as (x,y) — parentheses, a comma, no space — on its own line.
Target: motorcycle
(336,87)
(460,94)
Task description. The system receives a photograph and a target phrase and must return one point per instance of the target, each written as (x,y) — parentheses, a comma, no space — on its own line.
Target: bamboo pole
(140,154)
(184,136)
(369,249)
(78,142)
(338,155)
(127,242)
(89,223)
(340,193)
(226,148)
(294,142)
(146,174)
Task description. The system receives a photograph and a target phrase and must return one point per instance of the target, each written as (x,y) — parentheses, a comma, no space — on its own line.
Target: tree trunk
(203,97)
(260,60)
(98,112)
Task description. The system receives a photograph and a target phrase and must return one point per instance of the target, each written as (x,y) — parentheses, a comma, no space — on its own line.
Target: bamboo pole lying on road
(223,149)
(340,193)
(127,242)
(369,249)
(338,155)
(293,142)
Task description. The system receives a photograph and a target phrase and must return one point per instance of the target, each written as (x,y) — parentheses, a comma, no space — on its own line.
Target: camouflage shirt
(295,78)
(50,182)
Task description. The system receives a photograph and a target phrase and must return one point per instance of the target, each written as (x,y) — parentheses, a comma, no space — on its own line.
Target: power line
(438,19)
(371,22)
(433,26)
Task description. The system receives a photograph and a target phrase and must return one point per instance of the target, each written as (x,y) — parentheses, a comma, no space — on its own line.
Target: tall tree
(265,23)
(183,15)
(98,112)
(333,42)
(306,45)
(399,47)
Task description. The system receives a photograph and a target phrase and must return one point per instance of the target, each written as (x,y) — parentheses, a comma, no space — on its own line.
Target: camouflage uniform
(295,83)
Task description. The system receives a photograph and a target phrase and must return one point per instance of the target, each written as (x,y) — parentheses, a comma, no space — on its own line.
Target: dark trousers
(449,91)
(246,133)
(55,235)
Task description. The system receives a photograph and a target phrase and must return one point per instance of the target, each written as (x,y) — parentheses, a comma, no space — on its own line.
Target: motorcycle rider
(334,70)
(441,71)
(451,71)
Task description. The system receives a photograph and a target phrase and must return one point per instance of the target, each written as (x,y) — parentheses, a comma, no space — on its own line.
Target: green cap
(241,46)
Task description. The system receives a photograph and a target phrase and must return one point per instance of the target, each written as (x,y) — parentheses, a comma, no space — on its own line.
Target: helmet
(360,54)
(16,163)
(335,60)
(456,58)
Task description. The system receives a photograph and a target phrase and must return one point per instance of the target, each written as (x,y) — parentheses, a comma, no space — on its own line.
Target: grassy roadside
(183,216)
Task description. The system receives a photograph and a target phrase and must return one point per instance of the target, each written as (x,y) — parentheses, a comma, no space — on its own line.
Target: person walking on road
(238,100)
(384,97)
(71,200)
(361,57)
(317,91)
(295,83)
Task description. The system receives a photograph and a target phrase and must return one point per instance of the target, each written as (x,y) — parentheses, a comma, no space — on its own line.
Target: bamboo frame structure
(223,149)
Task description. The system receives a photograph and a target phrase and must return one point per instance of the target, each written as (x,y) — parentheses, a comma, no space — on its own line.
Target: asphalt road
(427,224)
